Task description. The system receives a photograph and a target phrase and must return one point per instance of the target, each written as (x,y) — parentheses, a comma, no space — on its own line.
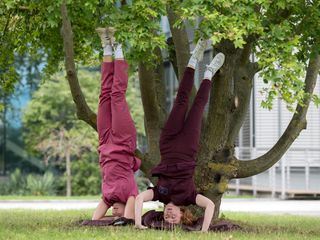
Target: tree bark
(243,82)
(172,55)
(161,95)
(212,175)
(296,125)
(180,41)
(181,53)
(154,113)
(83,111)
(217,203)
(68,171)
(216,129)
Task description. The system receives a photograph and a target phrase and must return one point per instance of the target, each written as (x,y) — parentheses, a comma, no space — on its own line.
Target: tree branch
(83,111)
(146,165)
(243,83)
(181,49)
(160,87)
(172,55)
(181,42)
(154,113)
(246,51)
(296,125)
(6,26)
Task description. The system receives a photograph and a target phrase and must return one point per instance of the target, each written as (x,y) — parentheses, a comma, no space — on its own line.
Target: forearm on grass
(129,209)
(142,197)
(206,203)
(100,211)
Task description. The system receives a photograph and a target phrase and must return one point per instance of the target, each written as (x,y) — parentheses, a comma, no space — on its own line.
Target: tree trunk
(153,116)
(217,203)
(68,171)
(217,126)
(181,49)
(181,42)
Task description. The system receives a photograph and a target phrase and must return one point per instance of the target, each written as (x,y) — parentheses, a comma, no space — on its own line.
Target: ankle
(118,53)
(192,62)
(208,75)
(107,59)
(191,66)
(107,50)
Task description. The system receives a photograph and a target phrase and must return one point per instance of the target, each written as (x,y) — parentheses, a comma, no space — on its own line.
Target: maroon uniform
(179,145)
(117,135)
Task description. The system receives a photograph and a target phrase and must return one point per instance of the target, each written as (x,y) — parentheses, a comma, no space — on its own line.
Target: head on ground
(118,209)
(177,215)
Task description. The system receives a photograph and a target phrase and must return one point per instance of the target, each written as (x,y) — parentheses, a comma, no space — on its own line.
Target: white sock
(107,50)
(118,54)
(208,75)
(192,62)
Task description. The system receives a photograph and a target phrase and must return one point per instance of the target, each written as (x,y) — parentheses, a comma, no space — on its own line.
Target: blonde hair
(187,217)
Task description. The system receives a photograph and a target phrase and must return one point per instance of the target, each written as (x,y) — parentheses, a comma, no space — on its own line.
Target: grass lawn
(28,224)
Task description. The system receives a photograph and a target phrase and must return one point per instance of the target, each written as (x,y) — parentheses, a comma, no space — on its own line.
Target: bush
(31,184)
(16,184)
(41,185)
(4,190)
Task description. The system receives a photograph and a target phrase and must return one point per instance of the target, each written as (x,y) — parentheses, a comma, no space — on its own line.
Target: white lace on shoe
(198,51)
(216,63)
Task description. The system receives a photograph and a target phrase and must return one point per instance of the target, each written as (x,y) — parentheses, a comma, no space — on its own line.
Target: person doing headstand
(117,134)
(179,142)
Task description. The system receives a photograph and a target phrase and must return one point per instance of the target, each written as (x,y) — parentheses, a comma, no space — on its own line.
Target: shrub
(17,183)
(4,188)
(31,184)
(41,185)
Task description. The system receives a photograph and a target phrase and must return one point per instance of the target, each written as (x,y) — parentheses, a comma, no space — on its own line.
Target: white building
(298,171)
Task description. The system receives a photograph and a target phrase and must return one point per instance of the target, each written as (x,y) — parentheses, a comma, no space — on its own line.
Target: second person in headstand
(179,142)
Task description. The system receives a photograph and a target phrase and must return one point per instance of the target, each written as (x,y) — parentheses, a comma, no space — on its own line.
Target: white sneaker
(216,63)
(106,35)
(198,51)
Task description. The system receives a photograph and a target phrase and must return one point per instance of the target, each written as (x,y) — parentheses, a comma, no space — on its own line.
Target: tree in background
(62,144)
(283,35)
(52,129)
